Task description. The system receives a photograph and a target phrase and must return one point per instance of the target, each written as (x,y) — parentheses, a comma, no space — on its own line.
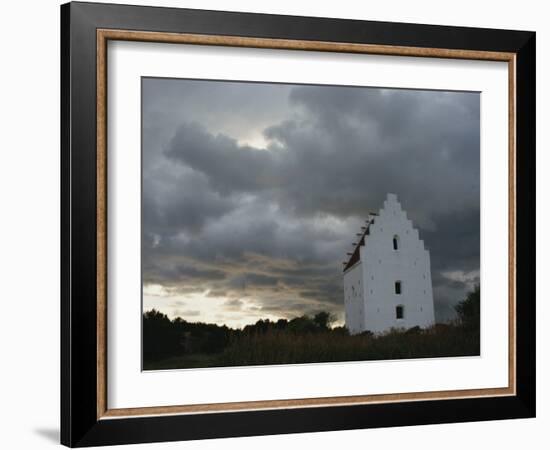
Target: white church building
(387,280)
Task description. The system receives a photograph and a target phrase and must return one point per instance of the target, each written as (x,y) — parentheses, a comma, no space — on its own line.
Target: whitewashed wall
(354,298)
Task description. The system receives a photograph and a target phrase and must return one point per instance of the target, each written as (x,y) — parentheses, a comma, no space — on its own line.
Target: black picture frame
(80,425)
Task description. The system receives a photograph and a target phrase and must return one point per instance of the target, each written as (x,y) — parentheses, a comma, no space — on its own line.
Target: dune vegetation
(178,344)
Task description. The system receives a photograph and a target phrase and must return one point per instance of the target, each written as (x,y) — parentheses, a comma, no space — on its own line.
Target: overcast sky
(253,192)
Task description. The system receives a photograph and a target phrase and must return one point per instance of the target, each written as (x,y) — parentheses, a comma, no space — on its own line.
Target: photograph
(298,223)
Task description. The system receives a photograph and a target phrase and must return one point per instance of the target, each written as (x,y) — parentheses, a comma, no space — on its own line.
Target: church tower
(387,279)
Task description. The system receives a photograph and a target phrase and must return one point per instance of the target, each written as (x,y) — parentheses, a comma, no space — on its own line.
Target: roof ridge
(354,256)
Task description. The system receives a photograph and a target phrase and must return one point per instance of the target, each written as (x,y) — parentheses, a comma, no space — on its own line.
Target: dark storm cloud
(180,201)
(273,224)
(350,147)
(228,166)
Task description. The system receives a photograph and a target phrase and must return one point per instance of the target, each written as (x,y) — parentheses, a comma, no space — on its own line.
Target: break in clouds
(253,192)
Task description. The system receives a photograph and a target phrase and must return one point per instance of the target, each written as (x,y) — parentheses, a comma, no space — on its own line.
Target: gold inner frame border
(105,35)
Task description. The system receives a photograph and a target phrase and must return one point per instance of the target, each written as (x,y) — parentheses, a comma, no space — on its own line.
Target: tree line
(163,337)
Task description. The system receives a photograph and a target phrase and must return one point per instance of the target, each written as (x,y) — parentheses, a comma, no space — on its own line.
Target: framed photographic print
(276,224)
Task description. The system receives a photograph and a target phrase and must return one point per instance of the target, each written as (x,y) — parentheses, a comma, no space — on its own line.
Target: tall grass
(276,347)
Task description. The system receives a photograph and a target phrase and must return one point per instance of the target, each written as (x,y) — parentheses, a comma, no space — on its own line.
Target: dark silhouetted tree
(302,324)
(468,310)
(323,320)
(160,337)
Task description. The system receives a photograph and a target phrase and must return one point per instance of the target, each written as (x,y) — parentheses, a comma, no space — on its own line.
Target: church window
(400,312)
(396,242)
(398,287)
